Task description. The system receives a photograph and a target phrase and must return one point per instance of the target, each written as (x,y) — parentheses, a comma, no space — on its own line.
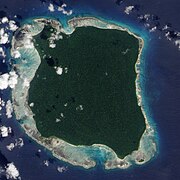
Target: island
(78,92)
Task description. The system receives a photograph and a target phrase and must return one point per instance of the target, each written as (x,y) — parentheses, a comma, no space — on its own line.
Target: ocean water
(161,91)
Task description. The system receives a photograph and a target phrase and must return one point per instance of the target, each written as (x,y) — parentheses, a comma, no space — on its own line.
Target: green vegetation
(94,100)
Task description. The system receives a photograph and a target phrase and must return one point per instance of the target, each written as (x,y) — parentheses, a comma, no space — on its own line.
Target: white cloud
(153,29)
(2,103)
(8,80)
(52,45)
(12,79)
(11,146)
(62,9)
(51,7)
(26,83)
(147,16)
(54,36)
(9,109)
(59,70)
(177,43)
(4,20)
(79,108)
(66,70)
(64,5)
(167,36)
(11,171)
(28,41)
(129,9)
(4,81)
(46,163)
(5,131)
(4,38)
(18,143)
(31,104)
(16,54)
(165,27)
(58,120)
(61,169)
(12,25)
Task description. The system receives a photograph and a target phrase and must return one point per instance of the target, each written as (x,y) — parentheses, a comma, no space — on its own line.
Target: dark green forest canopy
(94,100)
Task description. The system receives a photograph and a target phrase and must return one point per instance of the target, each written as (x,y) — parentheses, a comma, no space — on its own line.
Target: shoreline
(54,144)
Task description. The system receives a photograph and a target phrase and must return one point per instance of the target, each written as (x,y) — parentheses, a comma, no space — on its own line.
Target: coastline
(140,156)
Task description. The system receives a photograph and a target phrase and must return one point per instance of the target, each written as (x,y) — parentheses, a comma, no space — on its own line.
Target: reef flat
(84,151)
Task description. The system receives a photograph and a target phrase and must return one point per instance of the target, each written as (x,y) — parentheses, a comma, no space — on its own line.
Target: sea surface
(160,85)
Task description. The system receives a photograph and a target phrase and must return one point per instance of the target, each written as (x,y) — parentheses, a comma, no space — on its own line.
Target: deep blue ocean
(160,84)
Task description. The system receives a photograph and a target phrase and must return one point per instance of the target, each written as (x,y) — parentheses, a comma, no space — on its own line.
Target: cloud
(9,109)
(51,7)
(12,172)
(129,9)
(8,80)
